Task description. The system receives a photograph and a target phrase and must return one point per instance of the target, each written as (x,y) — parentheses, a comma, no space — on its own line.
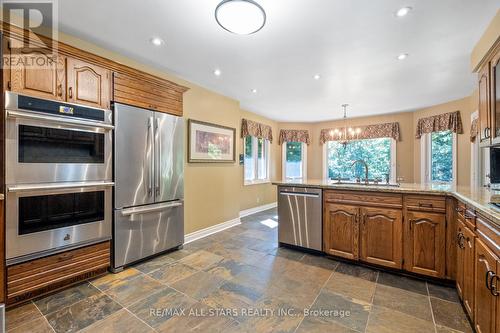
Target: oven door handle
(59,120)
(37,187)
(151,208)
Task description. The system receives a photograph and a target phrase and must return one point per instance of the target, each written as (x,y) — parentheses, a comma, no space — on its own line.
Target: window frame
(426,160)
(393,166)
(267,155)
(303,158)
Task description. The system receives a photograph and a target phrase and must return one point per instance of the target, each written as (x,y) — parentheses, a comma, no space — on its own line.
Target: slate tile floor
(242,268)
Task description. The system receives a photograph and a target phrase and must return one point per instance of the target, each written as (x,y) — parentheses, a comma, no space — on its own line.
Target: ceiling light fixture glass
(241,17)
(403,11)
(402,56)
(156,41)
(346,134)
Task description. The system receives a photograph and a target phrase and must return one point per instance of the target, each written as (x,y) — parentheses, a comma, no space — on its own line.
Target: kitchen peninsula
(431,231)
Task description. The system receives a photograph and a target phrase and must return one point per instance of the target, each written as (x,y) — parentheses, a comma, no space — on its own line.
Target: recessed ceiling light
(156,41)
(317,76)
(254,91)
(217,72)
(402,56)
(242,17)
(403,11)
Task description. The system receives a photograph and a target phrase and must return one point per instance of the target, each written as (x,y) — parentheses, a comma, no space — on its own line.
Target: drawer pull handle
(461,238)
(491,279)
(423,204)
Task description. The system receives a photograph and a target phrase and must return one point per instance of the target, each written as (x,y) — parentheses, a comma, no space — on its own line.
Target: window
(256,163)
(438,157)
(379,154)
(294,160)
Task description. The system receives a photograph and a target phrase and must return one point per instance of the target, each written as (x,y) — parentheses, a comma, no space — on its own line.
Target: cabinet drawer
(489,233)
(365,198)
(40,276)
(426,203)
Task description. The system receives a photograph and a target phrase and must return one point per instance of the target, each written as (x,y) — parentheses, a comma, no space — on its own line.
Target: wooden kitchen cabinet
(485,284)
(484,105)
(88,84)
(382,236)
(469,268)
(341,230)
(39,74)
(425,243)
(460,241)
(495,97)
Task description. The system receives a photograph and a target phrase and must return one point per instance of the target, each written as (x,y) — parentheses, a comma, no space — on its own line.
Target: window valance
(387,130)
(474,130)
(450,121)
(258,130)
(291,135)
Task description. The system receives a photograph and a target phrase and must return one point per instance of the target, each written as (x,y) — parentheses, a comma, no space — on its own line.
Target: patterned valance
(294,136)
(474,130)
(258,130)
(450,121)
(387,130)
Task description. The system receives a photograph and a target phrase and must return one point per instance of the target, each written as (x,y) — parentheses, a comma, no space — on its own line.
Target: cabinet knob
(70,92)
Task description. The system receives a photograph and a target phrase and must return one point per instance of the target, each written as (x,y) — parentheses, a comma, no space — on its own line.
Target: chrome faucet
(366,168)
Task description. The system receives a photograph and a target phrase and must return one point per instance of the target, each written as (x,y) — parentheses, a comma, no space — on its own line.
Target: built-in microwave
(49,141)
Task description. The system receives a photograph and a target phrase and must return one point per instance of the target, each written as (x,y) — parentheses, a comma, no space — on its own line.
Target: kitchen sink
(370,183)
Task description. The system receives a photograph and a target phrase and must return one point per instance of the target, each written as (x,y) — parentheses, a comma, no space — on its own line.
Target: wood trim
(40,276)
(451,236)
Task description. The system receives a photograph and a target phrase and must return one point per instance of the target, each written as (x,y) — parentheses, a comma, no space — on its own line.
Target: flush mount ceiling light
(402,56)
(156,41)
(241,17)
(403,11)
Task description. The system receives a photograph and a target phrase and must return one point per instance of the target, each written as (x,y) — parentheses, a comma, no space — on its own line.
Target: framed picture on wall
(210,143)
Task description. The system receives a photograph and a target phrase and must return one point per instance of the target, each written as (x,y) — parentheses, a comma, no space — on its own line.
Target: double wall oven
(58,176)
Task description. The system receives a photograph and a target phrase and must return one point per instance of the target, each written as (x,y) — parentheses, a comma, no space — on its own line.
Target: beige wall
(214,193)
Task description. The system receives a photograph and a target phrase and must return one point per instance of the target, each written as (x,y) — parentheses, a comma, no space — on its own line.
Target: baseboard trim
(258,209)
(191,237)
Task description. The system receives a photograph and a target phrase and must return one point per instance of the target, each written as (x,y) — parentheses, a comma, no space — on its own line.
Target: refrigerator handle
(157,156)
(150,150)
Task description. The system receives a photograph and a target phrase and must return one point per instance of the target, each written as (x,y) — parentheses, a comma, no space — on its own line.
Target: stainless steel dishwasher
(299,217)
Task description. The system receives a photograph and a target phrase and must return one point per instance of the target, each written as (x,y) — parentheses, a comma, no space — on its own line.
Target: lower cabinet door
(382,236)
(425,243)
(469,268)
(460,243)
(341,230)
(484,295)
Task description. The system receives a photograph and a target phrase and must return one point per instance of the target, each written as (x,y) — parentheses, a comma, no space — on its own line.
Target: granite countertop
(479,198)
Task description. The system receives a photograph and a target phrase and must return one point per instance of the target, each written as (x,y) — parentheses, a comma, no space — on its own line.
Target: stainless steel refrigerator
(149,184)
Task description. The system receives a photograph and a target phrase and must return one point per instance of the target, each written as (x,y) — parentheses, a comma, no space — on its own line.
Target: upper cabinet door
(88,84)
(484,105)
(36,73)
(495,98)
(425,243)
(382,236)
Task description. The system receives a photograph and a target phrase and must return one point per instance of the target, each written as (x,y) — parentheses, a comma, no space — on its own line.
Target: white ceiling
(352,44)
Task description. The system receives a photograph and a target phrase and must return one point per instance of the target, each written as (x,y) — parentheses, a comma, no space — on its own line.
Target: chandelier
(346,134)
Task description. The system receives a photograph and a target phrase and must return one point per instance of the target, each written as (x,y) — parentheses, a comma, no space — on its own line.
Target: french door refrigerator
(149,184)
